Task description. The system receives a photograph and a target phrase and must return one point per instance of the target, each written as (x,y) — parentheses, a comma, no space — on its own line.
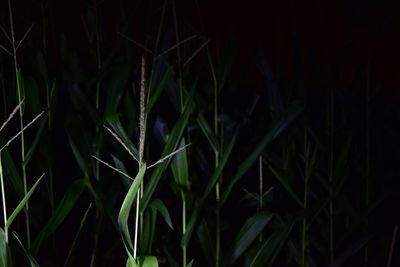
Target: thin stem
(20,97)
(3,196)
(136,226)
(216,156)
(184,247)
(142,132)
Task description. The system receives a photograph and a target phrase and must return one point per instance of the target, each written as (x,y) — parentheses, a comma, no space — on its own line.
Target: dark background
(331,42)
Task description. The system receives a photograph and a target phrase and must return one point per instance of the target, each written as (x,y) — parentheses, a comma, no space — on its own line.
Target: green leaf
(264,251)
(159,89)
(126,208)
(119,79)
(246,236)
(214,179)
(350,251)
(191,226)
(284,183)
(31,150)
(41,66)
(160,206)
(79,158)
(180,169)
(206,242)
(68,261)
(206,129)
(22,203)
(170,259)
(291,114)
(3,249)
(63,209)
(170,146)
(147,261)
(149,226)
(11,173)
(190,264)
(221,165)
(121,166)
(31,259)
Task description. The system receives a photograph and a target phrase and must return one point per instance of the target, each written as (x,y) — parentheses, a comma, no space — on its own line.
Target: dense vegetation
(159,154)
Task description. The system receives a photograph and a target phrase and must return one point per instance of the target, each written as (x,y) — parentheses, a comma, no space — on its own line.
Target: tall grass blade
(79,158)
(170,146)
(246,236)
(221,165)
(34,144)
(63,209)
(22,203)
(11,173)
(284,183)
(208,132)
(126,208)
(159,205)
(3,249)
(31,259)
(71,252)
(350,251)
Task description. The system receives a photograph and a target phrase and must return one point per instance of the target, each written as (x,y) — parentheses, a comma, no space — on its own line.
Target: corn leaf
(3,249)
(246,236)
(124,212)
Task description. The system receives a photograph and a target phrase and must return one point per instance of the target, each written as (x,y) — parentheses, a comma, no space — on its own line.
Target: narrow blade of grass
(160,206)
(34,144)
(285,184)
(68,261)
(63,209)
(170,147)
(126,208)
(3,249)
(246,236)
(31,259)
(206,129)
(22,203)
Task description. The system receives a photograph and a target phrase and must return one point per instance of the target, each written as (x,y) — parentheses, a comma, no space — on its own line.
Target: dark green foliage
(266,180)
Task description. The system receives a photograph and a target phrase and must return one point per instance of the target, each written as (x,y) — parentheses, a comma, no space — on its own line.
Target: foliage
(262,182)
